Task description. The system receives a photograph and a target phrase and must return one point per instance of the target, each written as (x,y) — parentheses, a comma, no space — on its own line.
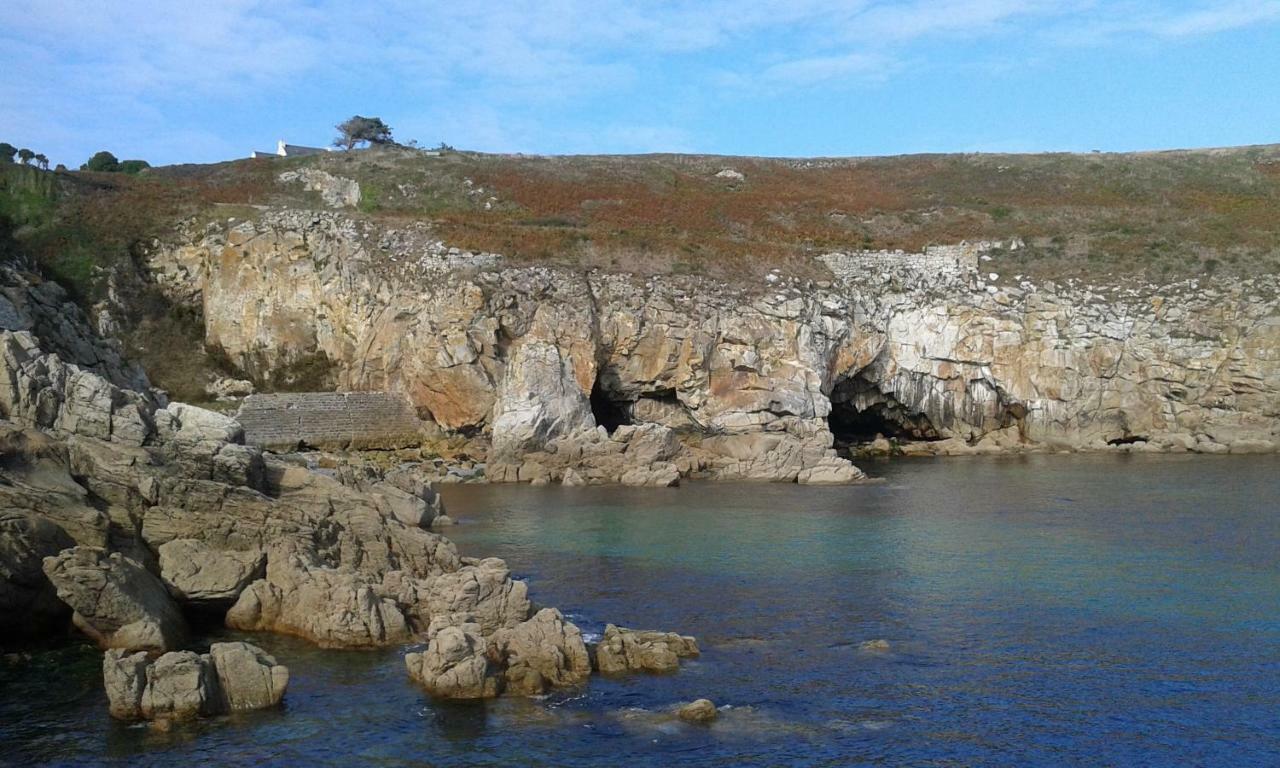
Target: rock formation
(181,685)
(456,665)
(115,600)
(544,652)
(754,382)
(630,650)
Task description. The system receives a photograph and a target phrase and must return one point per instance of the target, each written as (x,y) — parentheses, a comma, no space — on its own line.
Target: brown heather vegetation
(1101,217)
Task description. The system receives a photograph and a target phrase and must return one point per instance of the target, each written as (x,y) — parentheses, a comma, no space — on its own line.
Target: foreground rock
(182,685)
(456,665)
(534,656)
(116,601)
(631,650)
(542,653)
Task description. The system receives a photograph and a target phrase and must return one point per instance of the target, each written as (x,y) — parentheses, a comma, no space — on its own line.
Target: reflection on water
(1028,611)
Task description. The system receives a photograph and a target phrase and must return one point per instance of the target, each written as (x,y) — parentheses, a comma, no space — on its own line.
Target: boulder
(630,650)
(331,608)
(115,600)
(181,685)
(197,573)
(700,711)
(544,652)
(456,665)
(484,590)
(248,677)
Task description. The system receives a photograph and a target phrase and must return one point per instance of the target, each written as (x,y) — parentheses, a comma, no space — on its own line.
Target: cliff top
(1163,216)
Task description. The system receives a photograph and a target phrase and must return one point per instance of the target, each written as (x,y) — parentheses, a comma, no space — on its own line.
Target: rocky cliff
(936,350)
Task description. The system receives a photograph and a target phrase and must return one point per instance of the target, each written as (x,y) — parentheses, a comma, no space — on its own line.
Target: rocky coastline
(127,517)
(551,375)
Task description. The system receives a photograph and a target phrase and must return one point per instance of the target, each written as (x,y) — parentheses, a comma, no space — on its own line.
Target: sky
(174,82)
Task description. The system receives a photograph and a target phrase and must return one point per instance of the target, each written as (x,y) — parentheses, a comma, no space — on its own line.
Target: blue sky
(197,82)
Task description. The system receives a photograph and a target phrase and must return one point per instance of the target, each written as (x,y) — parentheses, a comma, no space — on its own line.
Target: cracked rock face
(182,685)
(518,352)
(632,650)
(196,573)
(116,601)
(542,653)
(455,665)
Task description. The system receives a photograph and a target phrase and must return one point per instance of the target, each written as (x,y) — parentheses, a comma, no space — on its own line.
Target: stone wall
(334,420)
(939,262)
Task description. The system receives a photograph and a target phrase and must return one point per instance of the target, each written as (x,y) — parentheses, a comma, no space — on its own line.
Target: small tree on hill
(42,162)
(26,156)
(360,130)
(133,167)
(103,161)
(7,151)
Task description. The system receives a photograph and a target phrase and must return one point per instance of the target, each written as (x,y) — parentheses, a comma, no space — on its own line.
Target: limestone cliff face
(748,377)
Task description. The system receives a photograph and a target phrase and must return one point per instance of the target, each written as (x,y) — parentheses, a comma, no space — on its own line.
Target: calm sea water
(1039,611)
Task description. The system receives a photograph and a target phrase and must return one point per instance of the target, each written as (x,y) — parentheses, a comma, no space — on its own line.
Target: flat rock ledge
(632,650)
(182,685)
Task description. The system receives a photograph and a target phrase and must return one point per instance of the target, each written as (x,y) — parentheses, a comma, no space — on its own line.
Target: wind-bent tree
(26,156)
(42,162)
(7,151)
(362,130)
(103,161)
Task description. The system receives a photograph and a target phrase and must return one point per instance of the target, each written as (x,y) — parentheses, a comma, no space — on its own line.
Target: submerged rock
(698,711)
(630,650)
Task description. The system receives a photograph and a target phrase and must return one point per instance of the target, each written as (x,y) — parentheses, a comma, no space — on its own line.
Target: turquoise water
(1058,610)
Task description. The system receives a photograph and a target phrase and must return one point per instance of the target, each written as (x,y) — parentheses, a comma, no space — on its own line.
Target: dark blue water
(1069,610)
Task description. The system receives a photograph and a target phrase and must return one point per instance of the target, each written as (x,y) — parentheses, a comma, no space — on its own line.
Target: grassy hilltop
(1162,215)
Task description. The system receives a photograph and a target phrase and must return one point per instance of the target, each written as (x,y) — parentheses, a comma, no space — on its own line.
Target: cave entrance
(860,412)
(610,410)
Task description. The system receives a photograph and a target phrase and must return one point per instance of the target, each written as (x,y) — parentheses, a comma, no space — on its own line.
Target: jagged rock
(335,191)
(332,609)
(701,711)
(29,604)
(37,480)
(116,601)
(899,336)
(197,573)
(544,652)
(484,591)
(456,665)
(248,677)
(181,685)
(631,650)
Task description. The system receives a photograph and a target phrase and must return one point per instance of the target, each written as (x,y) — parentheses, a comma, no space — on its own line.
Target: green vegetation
(102,162)
(105,162)
(7,151)
(362,130)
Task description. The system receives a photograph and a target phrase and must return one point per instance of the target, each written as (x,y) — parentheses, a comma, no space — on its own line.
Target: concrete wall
(332,420)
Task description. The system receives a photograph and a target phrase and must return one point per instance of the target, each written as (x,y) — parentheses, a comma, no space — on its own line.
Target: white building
(291,150)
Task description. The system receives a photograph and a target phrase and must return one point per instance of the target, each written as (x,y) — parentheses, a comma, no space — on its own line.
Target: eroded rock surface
(116,602)
(631,650)
(181,685)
